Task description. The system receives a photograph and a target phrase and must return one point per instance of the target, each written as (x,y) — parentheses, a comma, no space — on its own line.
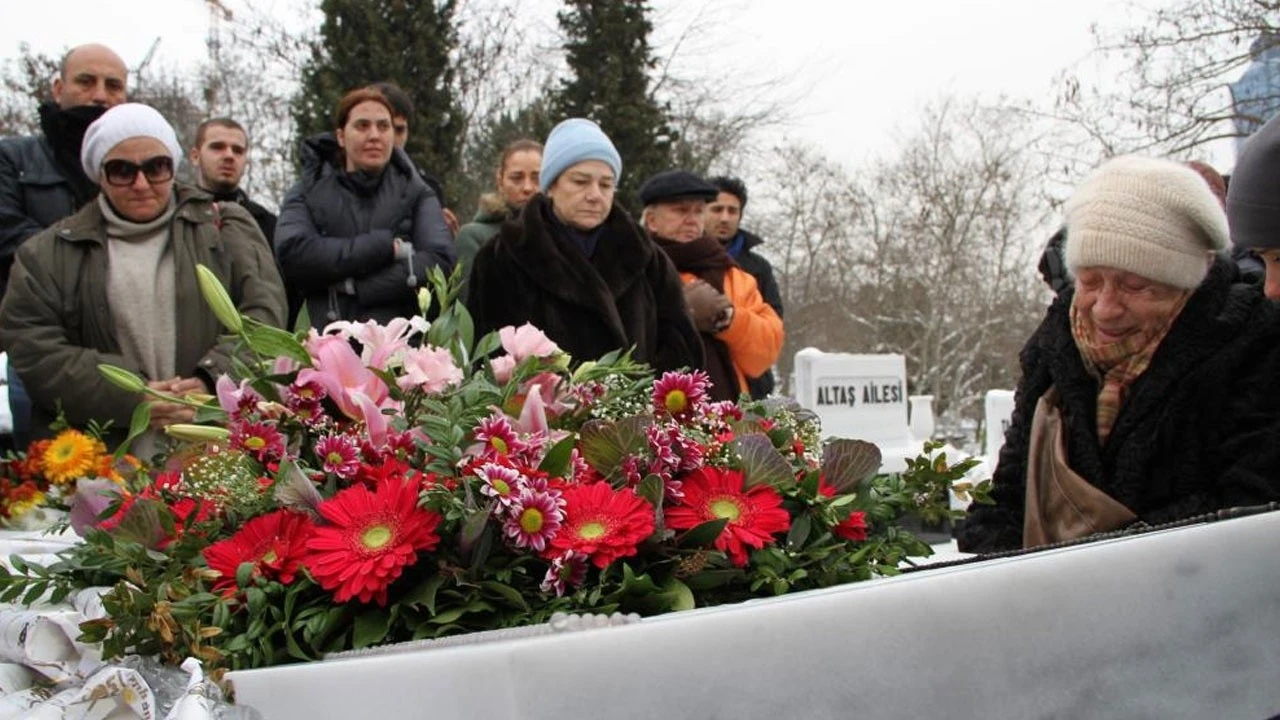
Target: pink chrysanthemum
(259,439)
(497,436)
(370,538)
(533,519)
(567,569)
(754,515)
(680,395)
(339,455)
(500,482)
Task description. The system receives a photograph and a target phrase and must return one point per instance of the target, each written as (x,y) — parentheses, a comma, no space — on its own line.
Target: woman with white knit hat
(578,267)
(1149,392)
(115,283)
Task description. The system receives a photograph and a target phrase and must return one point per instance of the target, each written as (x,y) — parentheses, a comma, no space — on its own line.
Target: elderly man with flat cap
(741,334)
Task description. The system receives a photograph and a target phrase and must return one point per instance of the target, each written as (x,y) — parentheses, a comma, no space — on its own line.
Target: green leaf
(370,627)
(799,533)
(487,345)
(449,616)
(473,530)
(846,463)
(703,534)
(506,592)
(711,579)
(762,464)
(556,461)
(303,322)
(651,488)
(138,424)
(605,444)
(244,573)
(633,584)
(425,593)
(273,342)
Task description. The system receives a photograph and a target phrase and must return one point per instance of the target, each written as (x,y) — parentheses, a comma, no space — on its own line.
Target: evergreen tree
(607,49)
(407,42)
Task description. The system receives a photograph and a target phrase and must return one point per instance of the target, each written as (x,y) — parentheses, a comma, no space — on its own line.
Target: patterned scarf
(1118,363)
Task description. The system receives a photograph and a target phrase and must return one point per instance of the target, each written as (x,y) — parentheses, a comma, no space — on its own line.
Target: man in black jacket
(41,181)
(724,216)
(220,156)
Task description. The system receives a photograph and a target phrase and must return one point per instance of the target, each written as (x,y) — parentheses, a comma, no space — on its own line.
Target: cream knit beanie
(1154,218)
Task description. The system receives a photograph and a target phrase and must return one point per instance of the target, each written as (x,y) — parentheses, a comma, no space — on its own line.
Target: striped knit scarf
(1118,363)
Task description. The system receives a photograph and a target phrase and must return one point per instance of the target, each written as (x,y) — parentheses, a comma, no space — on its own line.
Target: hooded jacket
(56,320)
(1199,430)
(626,295)
(335,237)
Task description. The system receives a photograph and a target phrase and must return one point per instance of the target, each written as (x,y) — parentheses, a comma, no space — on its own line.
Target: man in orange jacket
(741,334)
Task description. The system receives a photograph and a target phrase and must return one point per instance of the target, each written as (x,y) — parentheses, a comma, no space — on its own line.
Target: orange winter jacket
(755,335)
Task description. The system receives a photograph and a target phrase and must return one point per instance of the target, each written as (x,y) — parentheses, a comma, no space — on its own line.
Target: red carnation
(754,515)
(275,543)
(371,537)
(854,527)
(603,523)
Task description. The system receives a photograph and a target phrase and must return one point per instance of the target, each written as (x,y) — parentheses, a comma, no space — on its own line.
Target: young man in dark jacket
(724,216)
(220,156)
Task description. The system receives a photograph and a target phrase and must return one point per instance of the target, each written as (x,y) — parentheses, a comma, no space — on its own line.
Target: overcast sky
(858,69)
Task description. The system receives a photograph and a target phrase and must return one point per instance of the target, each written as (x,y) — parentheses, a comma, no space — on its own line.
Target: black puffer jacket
(626,295)
(34,194)
(1198,431)
(334,238)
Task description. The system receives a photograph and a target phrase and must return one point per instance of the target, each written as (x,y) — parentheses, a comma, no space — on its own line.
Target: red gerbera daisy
(371,537)
(680,394)
(274,543)
(604,523)
(754,515)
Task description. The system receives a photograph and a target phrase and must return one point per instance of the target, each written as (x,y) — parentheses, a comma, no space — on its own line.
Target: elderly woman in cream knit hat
(115,283)
(1151,390)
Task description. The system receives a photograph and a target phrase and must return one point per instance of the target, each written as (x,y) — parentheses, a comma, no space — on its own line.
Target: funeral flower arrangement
(36,483)
(382,483)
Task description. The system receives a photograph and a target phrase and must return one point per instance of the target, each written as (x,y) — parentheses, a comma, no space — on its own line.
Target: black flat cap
(672,185)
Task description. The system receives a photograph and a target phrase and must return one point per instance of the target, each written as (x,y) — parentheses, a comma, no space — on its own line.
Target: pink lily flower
(379,343)
(337,369)
(231,396)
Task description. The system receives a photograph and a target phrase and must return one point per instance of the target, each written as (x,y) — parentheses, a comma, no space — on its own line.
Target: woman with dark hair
(579,268)
(517,181)
(359,231)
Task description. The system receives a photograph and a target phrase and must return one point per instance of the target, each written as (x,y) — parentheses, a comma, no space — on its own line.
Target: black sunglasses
(122,173)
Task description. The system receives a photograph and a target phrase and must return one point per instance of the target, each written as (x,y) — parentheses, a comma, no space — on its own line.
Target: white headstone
(862,397)
(999,411)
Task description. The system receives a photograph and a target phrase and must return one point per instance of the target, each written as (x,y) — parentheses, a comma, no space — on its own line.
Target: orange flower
(71,455)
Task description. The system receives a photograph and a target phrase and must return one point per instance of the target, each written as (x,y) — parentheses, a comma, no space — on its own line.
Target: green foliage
(611,62)
(407,43)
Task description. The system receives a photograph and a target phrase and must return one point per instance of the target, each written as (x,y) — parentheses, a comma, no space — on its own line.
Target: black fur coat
(627,294)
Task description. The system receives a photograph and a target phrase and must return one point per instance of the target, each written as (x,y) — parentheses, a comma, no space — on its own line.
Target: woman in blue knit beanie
(575,265)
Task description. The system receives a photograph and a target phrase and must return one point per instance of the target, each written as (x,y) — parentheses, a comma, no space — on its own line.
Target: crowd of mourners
(1148,393)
